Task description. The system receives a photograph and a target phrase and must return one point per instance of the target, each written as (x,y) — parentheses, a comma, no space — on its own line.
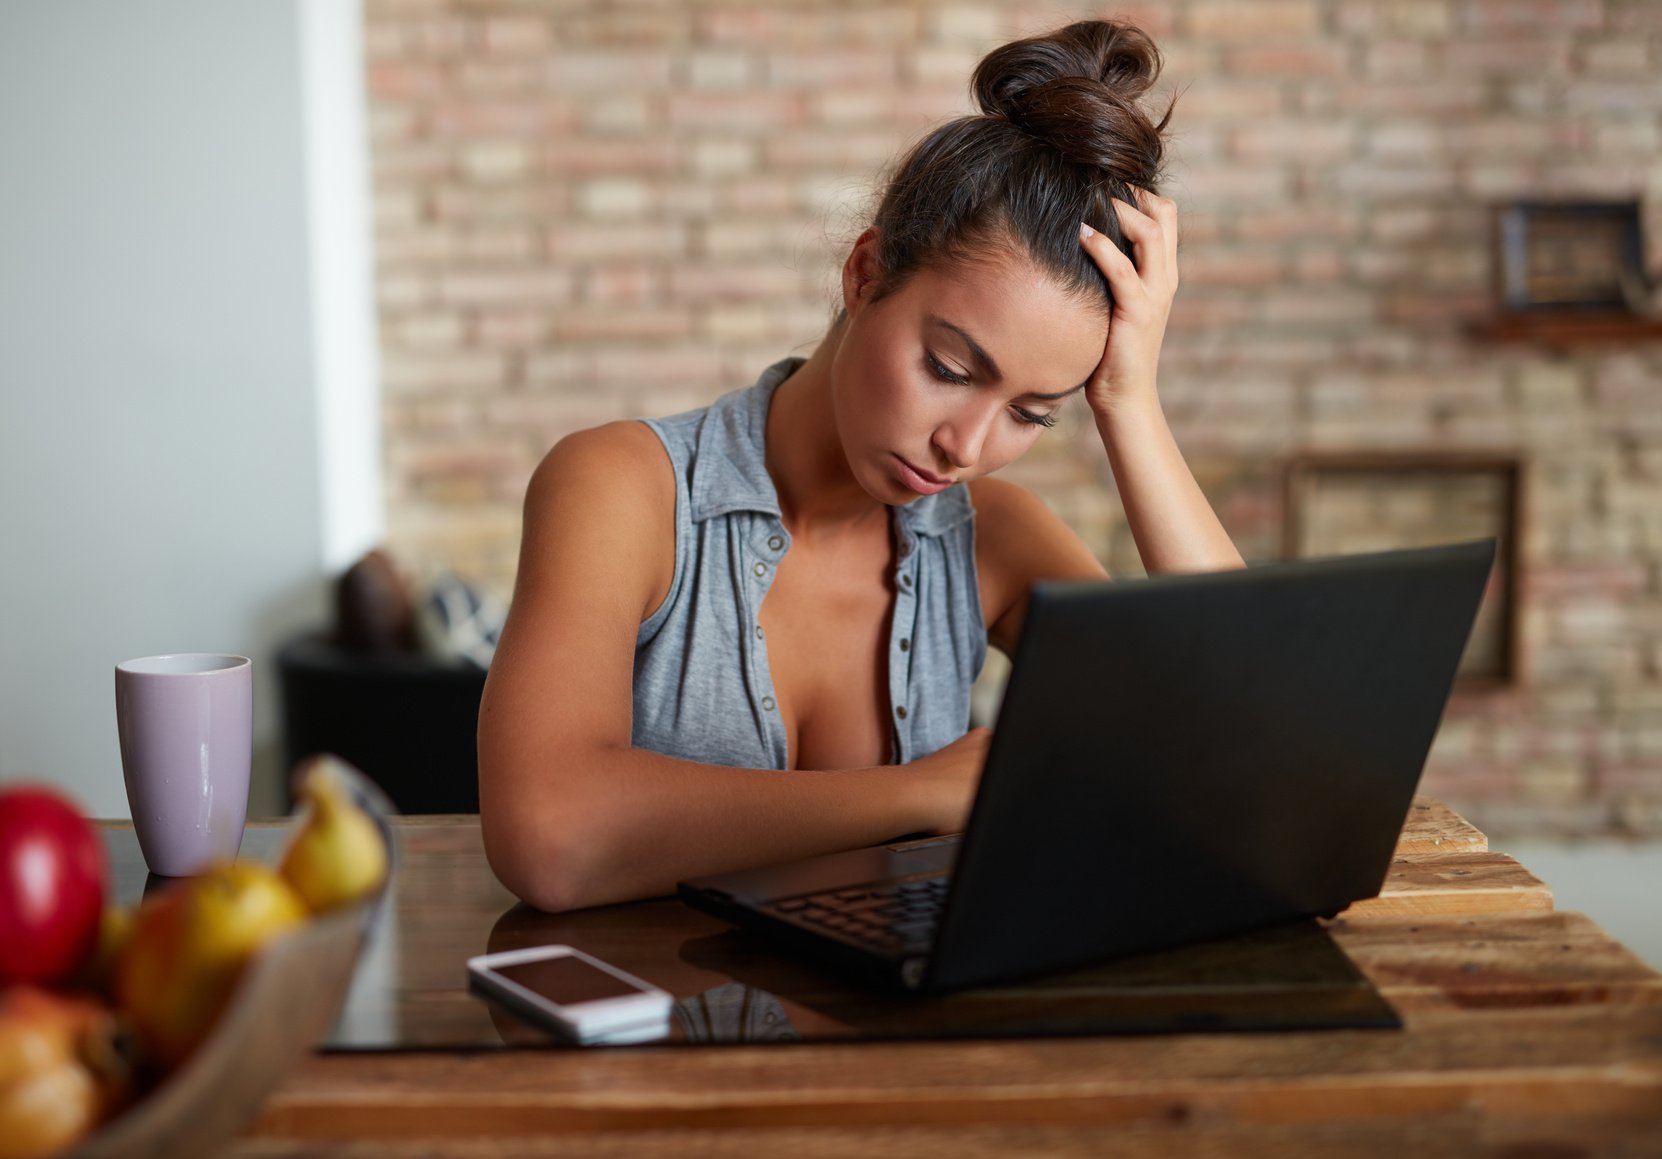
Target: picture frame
(1568,255)
(1353,502)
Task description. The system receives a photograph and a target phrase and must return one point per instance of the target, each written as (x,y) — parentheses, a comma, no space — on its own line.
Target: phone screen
(566,980)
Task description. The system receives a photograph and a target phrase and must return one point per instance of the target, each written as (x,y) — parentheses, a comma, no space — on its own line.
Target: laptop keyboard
(891,917)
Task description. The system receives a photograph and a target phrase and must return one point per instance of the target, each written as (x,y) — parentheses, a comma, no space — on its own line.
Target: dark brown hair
(1060,133)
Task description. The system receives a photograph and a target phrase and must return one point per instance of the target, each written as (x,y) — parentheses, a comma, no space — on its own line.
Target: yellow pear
(338,855)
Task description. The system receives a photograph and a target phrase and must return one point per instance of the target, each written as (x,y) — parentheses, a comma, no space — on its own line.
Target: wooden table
(1527,1032)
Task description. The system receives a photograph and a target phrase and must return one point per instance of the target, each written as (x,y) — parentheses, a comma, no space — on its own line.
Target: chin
(894,495)
(886,489)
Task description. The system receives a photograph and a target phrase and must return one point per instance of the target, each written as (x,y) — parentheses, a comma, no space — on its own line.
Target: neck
(818,494)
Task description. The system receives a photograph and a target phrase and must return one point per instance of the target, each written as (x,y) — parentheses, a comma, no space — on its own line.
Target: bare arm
(1173,524)
(572,814)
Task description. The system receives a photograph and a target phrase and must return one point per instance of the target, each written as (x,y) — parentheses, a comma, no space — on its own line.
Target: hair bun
(1076,89)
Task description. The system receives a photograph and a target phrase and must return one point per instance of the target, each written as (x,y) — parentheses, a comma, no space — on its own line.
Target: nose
(962,435)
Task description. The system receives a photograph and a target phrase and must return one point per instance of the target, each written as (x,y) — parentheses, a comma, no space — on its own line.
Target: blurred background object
(393,685)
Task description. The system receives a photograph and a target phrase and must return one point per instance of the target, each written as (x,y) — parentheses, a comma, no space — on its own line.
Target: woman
(805,575)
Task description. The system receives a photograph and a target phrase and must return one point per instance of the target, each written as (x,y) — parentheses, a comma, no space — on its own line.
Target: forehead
(1044,337)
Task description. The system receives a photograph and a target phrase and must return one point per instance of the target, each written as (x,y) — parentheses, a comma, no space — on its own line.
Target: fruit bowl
(285,1000)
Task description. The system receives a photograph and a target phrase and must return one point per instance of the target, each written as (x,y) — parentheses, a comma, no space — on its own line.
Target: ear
(860,271)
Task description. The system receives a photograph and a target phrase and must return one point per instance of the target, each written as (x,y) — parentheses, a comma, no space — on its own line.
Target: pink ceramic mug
(186,727)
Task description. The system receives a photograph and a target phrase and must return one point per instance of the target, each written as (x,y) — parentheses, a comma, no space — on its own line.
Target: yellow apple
(188,946)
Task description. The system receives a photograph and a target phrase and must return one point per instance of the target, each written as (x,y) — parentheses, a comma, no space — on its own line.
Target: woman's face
(958,372)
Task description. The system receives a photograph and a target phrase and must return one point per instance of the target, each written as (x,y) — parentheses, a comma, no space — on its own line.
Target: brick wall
(587,211)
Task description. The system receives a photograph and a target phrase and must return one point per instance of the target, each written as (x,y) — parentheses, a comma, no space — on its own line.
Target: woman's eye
(939,370)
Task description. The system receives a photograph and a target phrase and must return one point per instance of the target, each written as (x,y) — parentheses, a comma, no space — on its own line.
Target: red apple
(52,872)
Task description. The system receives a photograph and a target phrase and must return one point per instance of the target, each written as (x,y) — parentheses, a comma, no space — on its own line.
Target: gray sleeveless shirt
(702,687)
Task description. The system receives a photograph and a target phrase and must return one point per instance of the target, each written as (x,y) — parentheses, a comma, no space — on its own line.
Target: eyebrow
(991,367)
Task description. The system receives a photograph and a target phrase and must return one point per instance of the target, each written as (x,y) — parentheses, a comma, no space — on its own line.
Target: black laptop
(1176,759)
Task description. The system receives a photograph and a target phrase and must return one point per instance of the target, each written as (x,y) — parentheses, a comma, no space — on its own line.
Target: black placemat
(1290,978)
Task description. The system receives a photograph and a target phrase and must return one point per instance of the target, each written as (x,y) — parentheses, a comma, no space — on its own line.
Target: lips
(919,480)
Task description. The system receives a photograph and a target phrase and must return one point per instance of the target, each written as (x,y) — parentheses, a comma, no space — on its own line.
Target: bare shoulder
(620,462)
(1019,540)
(1001,505)
(1014,527)
(609,492)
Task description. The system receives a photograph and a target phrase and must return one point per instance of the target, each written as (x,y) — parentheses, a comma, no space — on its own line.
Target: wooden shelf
(1568,329)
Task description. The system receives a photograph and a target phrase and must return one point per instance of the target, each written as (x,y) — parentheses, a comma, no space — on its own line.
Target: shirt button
(776,542)
(905,549)
(767,703)
(900,711)
(760,569)
(758,631)
(905,645)
(906,581)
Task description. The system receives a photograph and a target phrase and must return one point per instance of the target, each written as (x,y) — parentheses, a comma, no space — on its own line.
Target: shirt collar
(730,471)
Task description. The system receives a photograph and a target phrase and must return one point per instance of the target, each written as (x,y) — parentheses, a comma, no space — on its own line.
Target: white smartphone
(574,994)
